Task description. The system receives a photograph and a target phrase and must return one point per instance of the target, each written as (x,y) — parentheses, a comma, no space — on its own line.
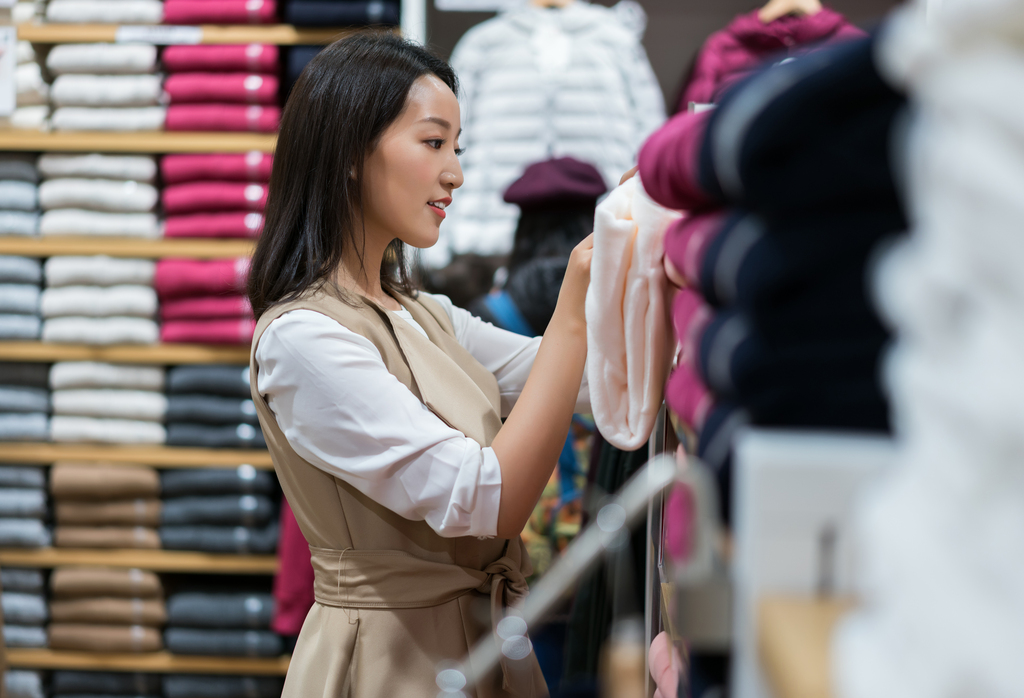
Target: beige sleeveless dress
(396,602)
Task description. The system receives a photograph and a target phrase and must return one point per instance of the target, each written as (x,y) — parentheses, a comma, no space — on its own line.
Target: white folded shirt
(106,90)
(97,195)
(94,374)
(105,11)
(144,405)
(19,222)
(108,118)
(19,298)
(140,168)
(25,52)
(97,270)
(76,221)
(30,85)
(103,59)
(100,331)
(36,118)
(124,431)
(24,12)
(98,301)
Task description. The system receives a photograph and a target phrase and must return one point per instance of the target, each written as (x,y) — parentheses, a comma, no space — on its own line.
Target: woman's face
(410,176)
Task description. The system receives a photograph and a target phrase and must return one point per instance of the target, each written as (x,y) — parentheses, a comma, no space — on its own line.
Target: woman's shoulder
(304,331)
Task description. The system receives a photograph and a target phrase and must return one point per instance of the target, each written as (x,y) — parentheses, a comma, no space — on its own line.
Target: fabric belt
(379,579)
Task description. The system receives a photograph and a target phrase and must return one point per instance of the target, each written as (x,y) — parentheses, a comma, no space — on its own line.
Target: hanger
(779,8)
(552,4)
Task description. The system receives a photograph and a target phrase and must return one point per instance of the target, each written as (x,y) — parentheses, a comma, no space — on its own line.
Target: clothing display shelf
(281,34)
(180,561)
(150,662)
(157,456)
(136,141)
(124,247)
(171,354)
(794,638)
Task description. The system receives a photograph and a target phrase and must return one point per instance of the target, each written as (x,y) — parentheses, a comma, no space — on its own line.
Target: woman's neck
(363,276)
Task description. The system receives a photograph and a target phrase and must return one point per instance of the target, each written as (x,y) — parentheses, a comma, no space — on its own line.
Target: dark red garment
(234,224)
(223,331)
(253,166)
(194,197)
(731,53)
(293,583)
(669,162)
(206,308)
(222,117)
(220,11)
(686,242)
(556,182)
(256,58)
(243,88)
(181,278)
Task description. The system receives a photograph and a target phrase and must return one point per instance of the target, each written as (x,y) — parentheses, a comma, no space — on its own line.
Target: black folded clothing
(331,13)
(218,510)
(105,683)
(211,409)
(223,643)
(714,447)
(244,479)
(814,131)
(221,539)
(211,379)
(298,57)
(186,686)
(208,436)
(29,375)
(199,610)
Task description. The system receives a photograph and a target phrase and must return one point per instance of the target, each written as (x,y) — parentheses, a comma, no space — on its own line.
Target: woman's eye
(436,143)
(459,151)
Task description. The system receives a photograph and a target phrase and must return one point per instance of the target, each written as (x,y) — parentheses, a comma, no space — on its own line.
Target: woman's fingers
(629,174)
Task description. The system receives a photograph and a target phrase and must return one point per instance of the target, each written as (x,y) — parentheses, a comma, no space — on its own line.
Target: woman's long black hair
(345,99)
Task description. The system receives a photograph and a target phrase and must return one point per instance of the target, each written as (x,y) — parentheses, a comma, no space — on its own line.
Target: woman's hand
(573,294)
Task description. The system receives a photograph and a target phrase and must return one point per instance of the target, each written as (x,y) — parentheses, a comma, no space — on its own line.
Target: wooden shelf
(125,247)
(794,642)
(160,456)
(149,661)
(137,141)
(125,353)
(155,560)
(283,34)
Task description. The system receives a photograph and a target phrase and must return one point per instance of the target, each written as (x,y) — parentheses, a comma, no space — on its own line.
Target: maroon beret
(556,183)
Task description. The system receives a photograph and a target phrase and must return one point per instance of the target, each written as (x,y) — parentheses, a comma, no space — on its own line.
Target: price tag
(158,34)
(8,64)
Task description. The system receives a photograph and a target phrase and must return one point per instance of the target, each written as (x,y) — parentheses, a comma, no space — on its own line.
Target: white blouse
(342,411)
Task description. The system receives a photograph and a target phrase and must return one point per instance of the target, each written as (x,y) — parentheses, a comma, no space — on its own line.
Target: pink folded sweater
(629,343)
(668,162)
(180,278)
(256,58)
(247,88)
(231,331)
(206,308)
(220,11)
(253,166)
(686,242)
(222,117)
(235,224)
(214,196)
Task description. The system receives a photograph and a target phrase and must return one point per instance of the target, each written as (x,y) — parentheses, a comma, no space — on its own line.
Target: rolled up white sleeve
(342,410)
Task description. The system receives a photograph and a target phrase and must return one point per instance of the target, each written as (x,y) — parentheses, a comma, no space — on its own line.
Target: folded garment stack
(219,11)
(20,280)
(222,88)
(105,506)
(790,177)
(341,13)
(23,683)
(100,609)
(19,194)
(215,195)
(220,510)
(24,510)
(99,300)
(24,605)
(24,401)
(32,103)
(107,403)
(188,686)
(218,624)
(210,406)
(204,301)
(97,684)
(104,87)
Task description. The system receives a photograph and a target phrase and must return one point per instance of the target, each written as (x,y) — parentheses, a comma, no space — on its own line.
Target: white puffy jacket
(538,83)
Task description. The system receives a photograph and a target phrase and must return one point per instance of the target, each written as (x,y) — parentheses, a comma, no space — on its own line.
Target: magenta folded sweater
(180,278)
(232,331)
(193,197)
(247,88)
(687,240)
(206,308)
(222,117)
(256,58)
(253,166)
(220,11)
(669,162)
(234,224)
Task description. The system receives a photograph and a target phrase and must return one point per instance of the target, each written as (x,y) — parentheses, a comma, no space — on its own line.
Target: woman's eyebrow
(439,121)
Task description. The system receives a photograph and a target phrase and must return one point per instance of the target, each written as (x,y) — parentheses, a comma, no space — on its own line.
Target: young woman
(382,407)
